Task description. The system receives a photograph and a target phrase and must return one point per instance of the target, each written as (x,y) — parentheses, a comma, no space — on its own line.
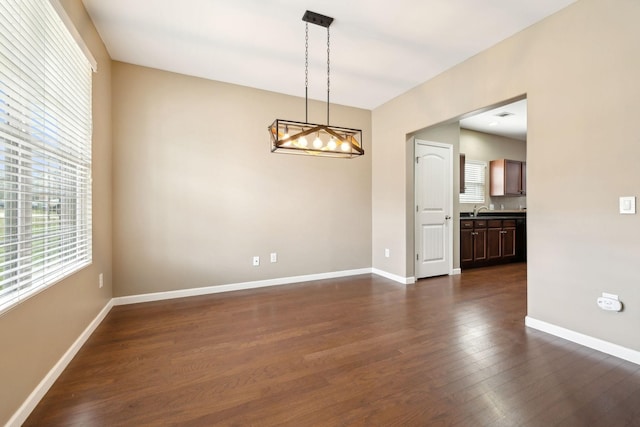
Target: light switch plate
(628,205)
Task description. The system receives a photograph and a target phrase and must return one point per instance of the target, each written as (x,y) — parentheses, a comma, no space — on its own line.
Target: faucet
(476,210)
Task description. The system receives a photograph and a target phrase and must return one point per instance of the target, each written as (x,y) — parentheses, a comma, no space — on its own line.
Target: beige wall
(197,191)
(486,147)
(579,70)
(39,331)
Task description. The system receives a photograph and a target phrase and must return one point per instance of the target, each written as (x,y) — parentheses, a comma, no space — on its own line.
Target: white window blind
(474,182)
(45,151)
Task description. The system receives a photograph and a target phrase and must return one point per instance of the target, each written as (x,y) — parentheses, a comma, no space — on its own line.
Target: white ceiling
(379,50)
(508,120)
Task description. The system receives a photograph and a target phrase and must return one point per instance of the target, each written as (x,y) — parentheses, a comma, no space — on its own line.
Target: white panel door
(433,197)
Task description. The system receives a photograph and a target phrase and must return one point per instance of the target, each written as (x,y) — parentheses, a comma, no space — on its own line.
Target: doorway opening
(497,132)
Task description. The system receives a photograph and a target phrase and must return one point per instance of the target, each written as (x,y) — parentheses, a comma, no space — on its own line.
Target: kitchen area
(493,187)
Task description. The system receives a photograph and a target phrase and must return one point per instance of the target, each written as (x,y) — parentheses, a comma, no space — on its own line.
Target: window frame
(473,180)
(45,150)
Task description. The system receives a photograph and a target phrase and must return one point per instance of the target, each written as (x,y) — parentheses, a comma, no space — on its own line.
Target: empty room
(331,213)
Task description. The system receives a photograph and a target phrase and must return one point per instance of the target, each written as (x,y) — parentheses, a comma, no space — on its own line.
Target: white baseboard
(182,293)
(41,389)
(405,280)
(394,277)
(585,340)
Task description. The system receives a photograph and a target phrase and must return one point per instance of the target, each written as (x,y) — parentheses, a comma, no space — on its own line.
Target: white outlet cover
(609,304)
(628,205)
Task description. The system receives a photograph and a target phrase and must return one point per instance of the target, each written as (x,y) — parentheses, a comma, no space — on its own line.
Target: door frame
(449,147)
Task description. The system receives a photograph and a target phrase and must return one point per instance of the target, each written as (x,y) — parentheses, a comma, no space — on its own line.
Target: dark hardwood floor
(353,351)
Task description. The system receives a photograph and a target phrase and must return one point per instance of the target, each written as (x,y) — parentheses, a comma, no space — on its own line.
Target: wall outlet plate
(628,205)
(609,304)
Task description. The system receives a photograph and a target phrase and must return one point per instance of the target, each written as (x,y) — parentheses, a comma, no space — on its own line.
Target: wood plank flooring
(361,351)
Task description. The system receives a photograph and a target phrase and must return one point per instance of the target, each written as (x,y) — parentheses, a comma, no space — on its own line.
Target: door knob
(447,217)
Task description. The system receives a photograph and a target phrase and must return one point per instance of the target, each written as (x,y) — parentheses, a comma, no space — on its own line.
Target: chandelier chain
(328,72)
(306,72)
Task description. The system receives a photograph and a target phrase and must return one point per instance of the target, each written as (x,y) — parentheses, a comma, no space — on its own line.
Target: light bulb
(317,143)
(332,144)
(345,146)
(286,136)
(302,142)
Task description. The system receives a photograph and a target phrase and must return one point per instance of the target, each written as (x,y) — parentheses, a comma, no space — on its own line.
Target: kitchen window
(474,182)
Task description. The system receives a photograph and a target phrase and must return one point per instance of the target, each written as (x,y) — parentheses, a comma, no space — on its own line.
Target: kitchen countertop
(494,215)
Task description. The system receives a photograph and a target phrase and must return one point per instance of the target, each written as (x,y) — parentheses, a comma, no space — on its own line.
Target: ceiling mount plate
(316,18)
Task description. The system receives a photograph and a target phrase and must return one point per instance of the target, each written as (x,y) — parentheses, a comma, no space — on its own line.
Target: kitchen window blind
(474,182)
(45,151)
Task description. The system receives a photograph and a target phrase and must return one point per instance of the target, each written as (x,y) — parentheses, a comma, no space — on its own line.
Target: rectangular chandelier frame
(293,137)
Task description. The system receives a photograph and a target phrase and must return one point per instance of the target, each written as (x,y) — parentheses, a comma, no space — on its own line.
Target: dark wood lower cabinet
(466,245)
(487,242)
(480,245)
(509,238)
(494,239)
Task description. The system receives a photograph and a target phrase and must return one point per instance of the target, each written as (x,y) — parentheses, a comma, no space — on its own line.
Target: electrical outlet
(387,253)
(100,280)
(256,261)
(609,302)
(628,205)
(274,257)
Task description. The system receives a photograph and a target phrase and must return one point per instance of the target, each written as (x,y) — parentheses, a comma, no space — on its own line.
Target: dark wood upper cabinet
(508,177)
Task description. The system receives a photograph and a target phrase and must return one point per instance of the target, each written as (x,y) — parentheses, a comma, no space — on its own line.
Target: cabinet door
(466,246)
(509,242)
(494,243)
(513,177)
(480,244)
(521,239)
(507,177)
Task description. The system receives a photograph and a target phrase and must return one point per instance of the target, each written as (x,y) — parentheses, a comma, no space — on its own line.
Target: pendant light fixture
(293,137)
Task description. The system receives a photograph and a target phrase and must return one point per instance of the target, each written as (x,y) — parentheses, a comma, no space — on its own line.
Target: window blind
(474,182)
(45,151)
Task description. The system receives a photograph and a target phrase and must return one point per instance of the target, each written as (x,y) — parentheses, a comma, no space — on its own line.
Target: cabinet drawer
(466,224)
(509,223)
(495,223)
(480,223)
